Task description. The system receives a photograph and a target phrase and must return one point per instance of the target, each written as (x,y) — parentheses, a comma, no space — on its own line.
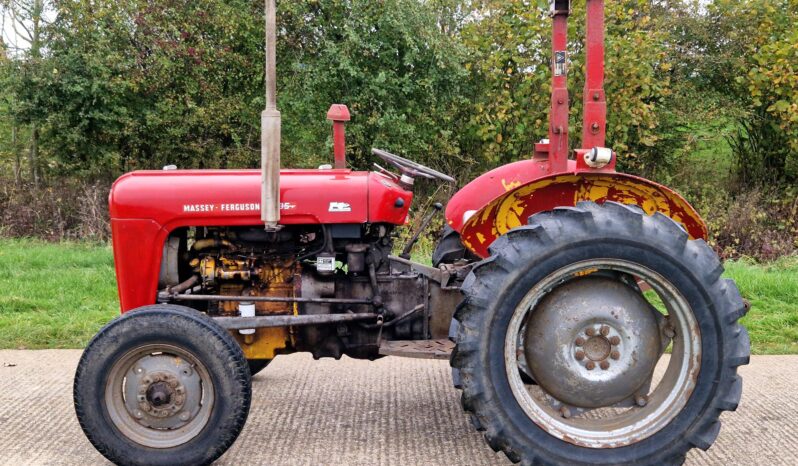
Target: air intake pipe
(270,129)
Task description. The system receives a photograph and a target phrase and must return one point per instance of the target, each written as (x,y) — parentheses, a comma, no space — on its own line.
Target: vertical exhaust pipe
(270,129)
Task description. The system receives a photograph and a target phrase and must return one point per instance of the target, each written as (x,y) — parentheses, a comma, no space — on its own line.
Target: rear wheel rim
(661,405)
(159,396)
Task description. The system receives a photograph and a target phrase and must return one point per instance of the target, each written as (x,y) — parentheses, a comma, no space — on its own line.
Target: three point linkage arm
(595,105)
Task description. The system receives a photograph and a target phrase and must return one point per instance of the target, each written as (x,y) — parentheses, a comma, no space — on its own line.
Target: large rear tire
(450,249)
(162,385)
(540,270)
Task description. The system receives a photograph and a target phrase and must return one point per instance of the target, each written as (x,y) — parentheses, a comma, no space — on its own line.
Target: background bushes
(703,96)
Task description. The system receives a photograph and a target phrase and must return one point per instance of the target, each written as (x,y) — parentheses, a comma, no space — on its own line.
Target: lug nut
(565,412)
(641,400)
(590,365)
(669,332)
(590,331)
(615,340)
(580,355)
(579,341)
(605,330)
(604,365)
(615,355)
(138,415)
(185,416)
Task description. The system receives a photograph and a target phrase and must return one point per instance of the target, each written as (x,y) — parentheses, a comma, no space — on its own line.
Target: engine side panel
(512,209)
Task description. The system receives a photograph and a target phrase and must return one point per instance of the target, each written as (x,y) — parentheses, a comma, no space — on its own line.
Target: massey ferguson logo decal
(246,207)
(340,207)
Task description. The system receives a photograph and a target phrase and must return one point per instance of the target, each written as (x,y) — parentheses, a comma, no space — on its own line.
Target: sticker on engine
(340,207)
(325,263)
(559,64)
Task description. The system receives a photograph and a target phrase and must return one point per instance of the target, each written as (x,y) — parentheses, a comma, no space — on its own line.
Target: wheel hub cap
(159,394)
(592,342)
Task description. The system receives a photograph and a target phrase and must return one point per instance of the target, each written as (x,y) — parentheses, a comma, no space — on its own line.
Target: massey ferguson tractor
(583,314)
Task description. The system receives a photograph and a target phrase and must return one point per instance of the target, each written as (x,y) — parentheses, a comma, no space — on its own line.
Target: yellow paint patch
(511,185)
(511,209)
(264,344)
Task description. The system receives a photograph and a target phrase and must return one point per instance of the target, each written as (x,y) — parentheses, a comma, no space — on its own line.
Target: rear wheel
(162,385)
(561,296)
(450,249)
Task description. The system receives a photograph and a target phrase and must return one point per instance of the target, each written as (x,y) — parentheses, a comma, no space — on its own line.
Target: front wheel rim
(661,406)
(159,396)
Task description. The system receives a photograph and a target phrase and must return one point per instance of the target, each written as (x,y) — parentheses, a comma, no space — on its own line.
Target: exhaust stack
(270,129)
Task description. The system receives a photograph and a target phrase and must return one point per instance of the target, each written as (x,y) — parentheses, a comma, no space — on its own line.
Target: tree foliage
(462,85)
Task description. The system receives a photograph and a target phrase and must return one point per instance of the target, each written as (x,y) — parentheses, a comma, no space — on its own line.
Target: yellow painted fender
(513,208)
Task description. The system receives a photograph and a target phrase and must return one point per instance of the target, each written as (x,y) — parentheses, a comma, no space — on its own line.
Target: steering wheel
(410,168)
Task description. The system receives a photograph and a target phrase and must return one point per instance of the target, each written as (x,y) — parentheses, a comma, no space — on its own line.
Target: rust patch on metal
(511,209)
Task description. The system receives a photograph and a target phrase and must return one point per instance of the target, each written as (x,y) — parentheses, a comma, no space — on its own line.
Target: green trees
(401,76)
(697,90)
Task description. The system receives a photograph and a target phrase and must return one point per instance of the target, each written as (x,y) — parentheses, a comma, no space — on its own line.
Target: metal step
(421,349)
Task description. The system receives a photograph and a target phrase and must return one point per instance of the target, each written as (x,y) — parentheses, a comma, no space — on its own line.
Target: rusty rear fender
(512,208)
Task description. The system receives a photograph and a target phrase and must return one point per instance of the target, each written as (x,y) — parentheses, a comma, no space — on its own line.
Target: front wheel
(162,385)
(563,296)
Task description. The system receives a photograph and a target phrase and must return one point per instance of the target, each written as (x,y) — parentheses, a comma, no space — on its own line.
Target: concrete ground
(389,412)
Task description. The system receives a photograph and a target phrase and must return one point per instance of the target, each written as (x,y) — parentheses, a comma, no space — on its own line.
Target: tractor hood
(174,198)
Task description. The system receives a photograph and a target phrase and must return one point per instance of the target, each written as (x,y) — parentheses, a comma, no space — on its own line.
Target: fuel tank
(173,198)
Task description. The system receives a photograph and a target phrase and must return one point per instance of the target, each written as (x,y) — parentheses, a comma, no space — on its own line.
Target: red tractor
(584,316)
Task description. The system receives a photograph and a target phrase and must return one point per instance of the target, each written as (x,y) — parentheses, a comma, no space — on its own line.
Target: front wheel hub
(592,342)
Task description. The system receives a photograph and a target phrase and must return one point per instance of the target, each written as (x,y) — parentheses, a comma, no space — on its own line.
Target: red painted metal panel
(138,246)
(232,197)
(487,187)
(388,202)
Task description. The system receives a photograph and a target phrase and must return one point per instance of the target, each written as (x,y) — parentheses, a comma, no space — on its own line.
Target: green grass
(54,295)
(59,295)
(772,290)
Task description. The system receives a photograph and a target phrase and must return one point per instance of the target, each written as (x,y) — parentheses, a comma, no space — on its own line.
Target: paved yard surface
(389,412)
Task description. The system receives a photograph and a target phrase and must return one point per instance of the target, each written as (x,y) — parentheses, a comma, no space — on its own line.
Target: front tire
(162,385)
(540,262)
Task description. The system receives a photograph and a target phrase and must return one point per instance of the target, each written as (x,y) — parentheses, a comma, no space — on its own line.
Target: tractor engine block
(325,265)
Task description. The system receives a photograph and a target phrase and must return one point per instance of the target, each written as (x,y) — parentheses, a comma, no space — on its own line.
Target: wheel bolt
(580,355)
(579,341)
(590,365)
(590,331)
(615,355)
(669,332)
(185,416)
(138,415)
(615,340)
(641,400)
(565,412)
(604,365)
(605,330)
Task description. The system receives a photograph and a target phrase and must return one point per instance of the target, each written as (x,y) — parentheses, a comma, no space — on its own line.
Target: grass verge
(59,295)
(54,295)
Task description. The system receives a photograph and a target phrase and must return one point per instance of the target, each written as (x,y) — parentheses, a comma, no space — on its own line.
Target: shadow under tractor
(583,314)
